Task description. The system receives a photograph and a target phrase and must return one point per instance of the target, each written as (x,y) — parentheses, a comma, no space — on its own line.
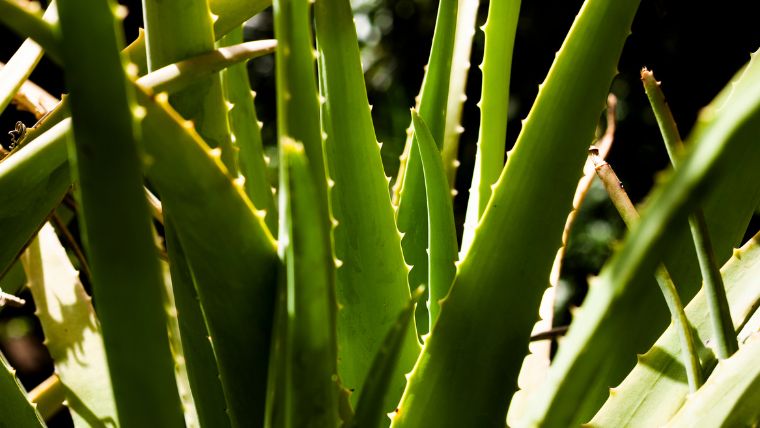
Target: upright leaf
(467,15)
(116,226)
(311,389)
(409,190)
(246,135)
(176,30)
(500,30)
(369,410)
(371,281)
(198,355)
(297,96)
(233,259)
(442,237)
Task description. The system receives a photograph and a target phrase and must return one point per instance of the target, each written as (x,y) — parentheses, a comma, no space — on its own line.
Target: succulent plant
(342,295)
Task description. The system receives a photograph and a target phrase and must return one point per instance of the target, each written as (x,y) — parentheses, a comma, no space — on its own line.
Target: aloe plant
(295,306)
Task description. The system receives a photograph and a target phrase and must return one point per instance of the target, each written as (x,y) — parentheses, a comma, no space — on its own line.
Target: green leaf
(15,408)
(442,237)
(72,331)
(499,29)
(311,388)
(228,15)
(729,397)
(225,14)
(202,370)
(176,30)
(509,261)
(370,411)
(725,337)
(409,190)
(467,14)
(34,180)
(233,259)
(246,132)
(721,152)
(297,96)
(22,63)
(656,388)
(25,19)
(14,280)
(117,232)
(372,278)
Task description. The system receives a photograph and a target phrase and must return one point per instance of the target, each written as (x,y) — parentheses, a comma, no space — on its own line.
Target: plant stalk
(629,214)
(725,336)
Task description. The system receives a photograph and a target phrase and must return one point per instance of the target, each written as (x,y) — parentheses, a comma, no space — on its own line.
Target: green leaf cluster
(333,299)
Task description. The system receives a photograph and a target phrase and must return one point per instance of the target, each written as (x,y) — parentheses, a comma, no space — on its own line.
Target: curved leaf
(116,231)
(442,237)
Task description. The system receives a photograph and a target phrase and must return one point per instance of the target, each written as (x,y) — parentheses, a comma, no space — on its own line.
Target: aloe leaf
(311,386)
(178,76)
(233,261)
(14,280)
(228,15)
(467,15)
(246,134)
(15,408)
(721,143)
(25,18)
(409,190)
(366,239)
(725,336)
(370,411)
(176,30)
(202,371)
(297,96)
(500,30)
(72,330)
(656,388)
(225,14)
(116,225)
(442,252)
(276,415)
(175,343)
(509,262)
(630,216)
(34,180)
(729,397)
(21,64)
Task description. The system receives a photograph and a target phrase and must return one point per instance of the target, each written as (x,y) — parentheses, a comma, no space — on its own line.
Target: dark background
(693,47)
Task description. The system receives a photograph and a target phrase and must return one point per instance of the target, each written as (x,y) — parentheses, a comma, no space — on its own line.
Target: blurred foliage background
(693,48)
